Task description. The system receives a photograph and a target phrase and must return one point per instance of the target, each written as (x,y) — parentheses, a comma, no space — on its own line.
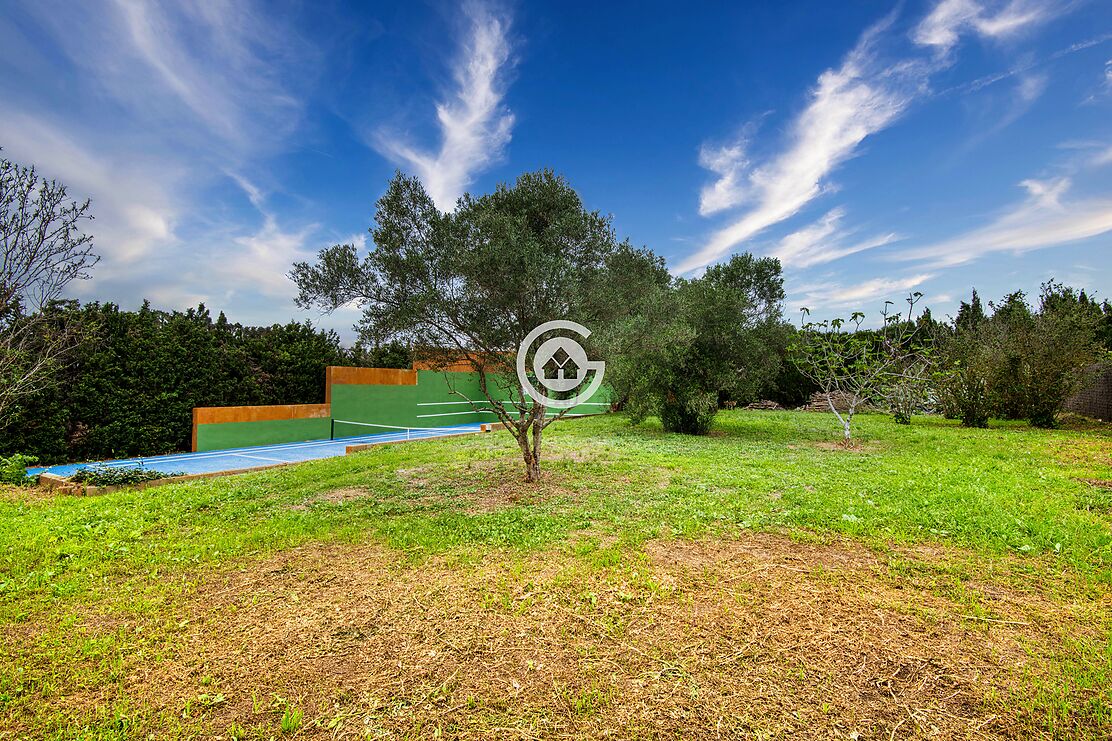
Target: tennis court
(238,459)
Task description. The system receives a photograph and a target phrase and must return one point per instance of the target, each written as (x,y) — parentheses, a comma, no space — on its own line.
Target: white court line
(302,445)
(441,403)
(260,458)
(452,414)
(508,411)
(504,403)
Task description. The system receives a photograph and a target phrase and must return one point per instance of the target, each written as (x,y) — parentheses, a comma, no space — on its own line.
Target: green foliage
(13,469)
(970,315)
(138,374)
(291,720)
(789,387)
(962,386)
(1018,363)
(381,355)
(697,340)
(122,476)
(909,392)
(468,285)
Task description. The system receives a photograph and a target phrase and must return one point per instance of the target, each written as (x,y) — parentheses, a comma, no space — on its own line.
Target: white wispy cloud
(1031,87)
(1105,87)
(218,75)
(943,26)
(475,125)
(1001,112)
(862,97)
(135,206)
(264,258)
(731,188)
(824,296)
(1045,218)
(824,241)
(252,191)
(259,262)
(167,100)
(847,105)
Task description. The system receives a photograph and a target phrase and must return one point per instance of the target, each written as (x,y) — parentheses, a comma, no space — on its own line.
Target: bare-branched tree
(44,249)
(851,365)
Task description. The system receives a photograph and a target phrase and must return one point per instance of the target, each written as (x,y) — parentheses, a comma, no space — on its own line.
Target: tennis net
(348,429)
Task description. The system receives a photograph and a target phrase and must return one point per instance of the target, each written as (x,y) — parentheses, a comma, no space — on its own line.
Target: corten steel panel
(389,376)
(347,375)
(216,415)
(458,366)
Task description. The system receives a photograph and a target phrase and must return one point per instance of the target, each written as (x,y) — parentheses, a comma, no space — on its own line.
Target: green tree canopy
(1021,363)
(469,285)
(699,339)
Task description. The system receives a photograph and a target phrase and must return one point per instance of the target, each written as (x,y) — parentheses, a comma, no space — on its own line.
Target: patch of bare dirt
(854,446)
(1083,451)
(31,493)
(760,636)
(487,485)
(501,493)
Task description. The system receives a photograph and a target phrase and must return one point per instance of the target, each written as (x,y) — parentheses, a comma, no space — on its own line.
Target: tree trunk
(533,471)
(844,420)
(531,448)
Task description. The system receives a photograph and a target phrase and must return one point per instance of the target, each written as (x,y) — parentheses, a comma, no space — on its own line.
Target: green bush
(13,469)
(1017,363)
(699,340)
(137,375)
(104,476)
(690,412)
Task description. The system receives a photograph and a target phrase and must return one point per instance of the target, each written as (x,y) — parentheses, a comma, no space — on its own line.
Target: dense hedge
(136,376)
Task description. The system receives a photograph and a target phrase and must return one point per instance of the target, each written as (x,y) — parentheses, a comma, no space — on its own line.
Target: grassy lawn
(759,582)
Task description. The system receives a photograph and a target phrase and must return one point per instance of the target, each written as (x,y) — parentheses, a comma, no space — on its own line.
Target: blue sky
(874,148)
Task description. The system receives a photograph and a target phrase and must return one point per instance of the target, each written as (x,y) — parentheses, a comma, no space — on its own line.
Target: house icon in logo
(559,365)
(559,362)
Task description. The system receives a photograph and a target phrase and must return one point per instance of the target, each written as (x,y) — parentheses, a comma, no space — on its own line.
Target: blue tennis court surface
(217,461)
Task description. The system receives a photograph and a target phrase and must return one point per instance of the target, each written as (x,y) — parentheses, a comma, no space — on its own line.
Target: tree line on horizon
(134,377)
(92,381)
(472,282)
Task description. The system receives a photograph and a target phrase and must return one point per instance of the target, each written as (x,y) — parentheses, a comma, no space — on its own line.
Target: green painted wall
(227,435)
(430,403)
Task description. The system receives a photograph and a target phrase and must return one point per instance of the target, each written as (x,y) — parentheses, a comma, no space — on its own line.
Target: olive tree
(44,250)
(698,339)
(467,286)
